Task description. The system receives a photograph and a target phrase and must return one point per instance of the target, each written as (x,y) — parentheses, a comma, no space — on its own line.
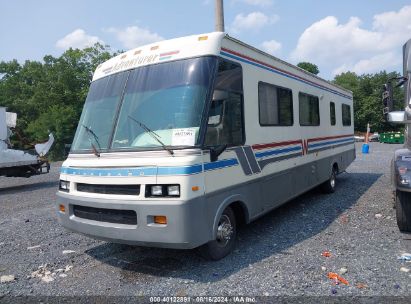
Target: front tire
(329,185)
(403,210)
(225,239)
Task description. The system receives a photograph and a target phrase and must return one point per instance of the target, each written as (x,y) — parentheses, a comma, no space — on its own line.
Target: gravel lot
(279,254)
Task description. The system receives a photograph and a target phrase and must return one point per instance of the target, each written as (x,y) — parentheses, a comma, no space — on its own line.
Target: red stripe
(305,150)
(272,67)
(170,53)
(302,142)
(328,137)
(275,144)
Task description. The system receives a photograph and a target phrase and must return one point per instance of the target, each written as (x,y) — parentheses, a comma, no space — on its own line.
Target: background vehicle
(17,163)
(401,163)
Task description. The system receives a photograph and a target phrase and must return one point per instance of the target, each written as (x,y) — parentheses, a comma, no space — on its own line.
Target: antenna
(219,16)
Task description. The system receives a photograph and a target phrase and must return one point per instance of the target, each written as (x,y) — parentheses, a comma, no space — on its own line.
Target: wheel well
(240,212)
(335,167)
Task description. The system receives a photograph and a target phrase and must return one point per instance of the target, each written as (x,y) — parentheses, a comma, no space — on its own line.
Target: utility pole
(219,16)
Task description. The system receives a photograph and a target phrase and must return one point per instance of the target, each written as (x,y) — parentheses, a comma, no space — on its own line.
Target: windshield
(154,106)
(99,113)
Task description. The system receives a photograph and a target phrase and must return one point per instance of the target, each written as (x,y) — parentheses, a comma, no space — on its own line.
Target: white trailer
(181,140)
(17,163)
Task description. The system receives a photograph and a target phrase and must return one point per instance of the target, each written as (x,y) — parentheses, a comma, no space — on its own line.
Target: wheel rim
(225,230)
(332,181)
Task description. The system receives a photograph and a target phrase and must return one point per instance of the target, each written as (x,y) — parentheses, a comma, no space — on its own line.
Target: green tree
(309,67)
(367,92)
(49,95)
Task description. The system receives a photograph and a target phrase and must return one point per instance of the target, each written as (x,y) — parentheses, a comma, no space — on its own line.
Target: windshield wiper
(90,133)
(152,134)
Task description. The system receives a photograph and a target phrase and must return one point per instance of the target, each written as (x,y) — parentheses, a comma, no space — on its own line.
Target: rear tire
(329,185)
(403,210)
(225,239)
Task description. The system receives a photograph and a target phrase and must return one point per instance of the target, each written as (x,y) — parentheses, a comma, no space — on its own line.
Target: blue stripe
(275,152)
(151,171)
(283,74)
(330,142)
(194,169)
(221,164)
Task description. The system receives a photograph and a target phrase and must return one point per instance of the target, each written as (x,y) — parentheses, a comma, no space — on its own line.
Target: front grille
(109,189)
(127,217)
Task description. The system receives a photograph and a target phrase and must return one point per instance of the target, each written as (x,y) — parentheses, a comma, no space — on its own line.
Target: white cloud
(396,26)
(327,40)
(383,61)
(77,39)
(351,46)
(134,36)
(272,47)
(259,2)
(253,21)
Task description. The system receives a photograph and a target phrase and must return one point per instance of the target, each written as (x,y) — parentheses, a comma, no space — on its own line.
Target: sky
(363,36)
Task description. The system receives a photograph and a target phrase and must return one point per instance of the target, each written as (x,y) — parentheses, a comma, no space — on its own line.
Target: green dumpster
(392,138)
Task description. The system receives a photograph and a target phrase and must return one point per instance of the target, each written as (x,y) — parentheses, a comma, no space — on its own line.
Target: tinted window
(225,119)
(346,115)
(332,113)
(309,110)
(168,99)
(97,119)
(275,105)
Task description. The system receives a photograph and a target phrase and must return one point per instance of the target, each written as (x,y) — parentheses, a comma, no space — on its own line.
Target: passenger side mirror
(387,99)
(396,117)
(215,152)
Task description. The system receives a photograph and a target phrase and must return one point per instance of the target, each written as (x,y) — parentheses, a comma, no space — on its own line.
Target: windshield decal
(183,137)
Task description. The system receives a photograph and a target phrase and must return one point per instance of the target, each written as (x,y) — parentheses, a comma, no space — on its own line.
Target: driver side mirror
(216,152)
(220,95)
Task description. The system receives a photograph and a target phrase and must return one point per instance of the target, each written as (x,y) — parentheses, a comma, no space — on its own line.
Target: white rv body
(270,166)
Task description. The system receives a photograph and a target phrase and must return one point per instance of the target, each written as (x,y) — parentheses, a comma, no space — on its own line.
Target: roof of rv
(179,48)
(173,49)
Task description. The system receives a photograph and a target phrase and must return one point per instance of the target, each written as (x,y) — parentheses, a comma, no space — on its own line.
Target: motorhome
(182,140)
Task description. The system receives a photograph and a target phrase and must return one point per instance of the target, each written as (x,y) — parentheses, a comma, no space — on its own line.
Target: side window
(275,105)
(225,119)
(309,110)
(346,114)
(332,113)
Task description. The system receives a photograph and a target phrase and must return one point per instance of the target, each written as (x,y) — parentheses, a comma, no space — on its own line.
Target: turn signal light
(62,208)
(160,219)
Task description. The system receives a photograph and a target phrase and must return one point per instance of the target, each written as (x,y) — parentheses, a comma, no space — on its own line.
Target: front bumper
(187,223)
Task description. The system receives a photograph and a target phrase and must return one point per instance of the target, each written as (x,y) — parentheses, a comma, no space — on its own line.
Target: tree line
(48,96)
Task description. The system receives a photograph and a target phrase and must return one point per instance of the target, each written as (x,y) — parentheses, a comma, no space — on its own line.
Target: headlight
(173,190)
(156,190)
(162,190)
(64,186)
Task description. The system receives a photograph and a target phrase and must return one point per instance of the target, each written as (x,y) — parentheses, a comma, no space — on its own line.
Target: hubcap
(332,181)
(224,230)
